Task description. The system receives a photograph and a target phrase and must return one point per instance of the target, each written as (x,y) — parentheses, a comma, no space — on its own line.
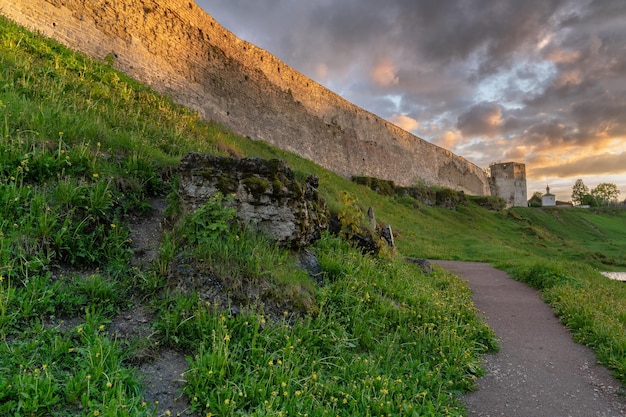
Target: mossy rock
(449,199)
(226,184)
(265,193)
(256,186)
(382,187)
(489,202)
(423,194)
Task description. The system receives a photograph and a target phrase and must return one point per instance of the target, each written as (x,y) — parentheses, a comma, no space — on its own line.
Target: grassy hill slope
(84,154)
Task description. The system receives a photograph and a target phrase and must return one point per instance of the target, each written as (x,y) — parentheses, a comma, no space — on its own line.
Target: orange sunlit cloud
(321,71)
(569,78)
(591,165)
(405,122)
(449,139)
(561,56)
(384,73)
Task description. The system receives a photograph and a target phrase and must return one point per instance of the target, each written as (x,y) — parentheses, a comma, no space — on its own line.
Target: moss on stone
(226,184)
(449,198)
(256,186)
(489,202)
(277,186)
(206,173)
(382,187)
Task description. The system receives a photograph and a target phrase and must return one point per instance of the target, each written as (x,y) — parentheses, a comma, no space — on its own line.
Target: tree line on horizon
(604,194)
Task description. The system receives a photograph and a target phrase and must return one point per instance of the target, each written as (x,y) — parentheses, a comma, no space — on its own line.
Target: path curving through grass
(539,370)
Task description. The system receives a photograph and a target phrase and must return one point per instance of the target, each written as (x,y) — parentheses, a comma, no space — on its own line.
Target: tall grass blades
(385,341)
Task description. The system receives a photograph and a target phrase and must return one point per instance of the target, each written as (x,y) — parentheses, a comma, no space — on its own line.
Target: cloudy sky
(542,82)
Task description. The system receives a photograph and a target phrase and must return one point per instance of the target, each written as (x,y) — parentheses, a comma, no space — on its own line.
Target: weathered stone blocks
(265,193)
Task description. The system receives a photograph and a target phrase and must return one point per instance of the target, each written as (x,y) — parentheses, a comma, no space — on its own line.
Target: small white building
(548,200)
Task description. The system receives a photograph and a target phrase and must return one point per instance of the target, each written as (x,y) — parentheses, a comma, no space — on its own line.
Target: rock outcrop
(430,196)
(265,193)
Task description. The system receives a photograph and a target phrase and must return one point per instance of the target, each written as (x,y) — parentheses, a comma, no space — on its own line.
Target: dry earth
(161,369)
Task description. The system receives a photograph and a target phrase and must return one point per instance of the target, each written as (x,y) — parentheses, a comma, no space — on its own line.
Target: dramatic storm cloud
(541,82)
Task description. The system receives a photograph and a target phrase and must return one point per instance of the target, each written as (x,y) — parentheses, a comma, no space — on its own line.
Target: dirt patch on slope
(161,369)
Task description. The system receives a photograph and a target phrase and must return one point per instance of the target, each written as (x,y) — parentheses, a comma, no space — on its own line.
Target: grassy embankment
(83,148)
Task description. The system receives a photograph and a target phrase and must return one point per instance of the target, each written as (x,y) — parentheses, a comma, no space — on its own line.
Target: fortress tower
(508,180)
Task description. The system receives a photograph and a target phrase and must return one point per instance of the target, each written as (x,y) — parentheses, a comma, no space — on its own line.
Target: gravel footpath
(540,371)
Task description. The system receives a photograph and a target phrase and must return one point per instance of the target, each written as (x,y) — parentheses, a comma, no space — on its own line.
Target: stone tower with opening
(508,181)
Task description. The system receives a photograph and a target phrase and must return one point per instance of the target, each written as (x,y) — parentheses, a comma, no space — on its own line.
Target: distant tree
(535,200)
(589,200)
(605,193)
(580,193)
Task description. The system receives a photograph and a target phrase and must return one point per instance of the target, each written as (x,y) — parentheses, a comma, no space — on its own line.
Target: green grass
(382,341)
(82,150)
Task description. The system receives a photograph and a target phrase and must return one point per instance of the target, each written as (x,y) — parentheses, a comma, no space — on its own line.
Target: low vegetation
(83,152)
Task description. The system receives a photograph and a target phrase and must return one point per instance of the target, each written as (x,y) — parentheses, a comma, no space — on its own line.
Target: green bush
(542,275)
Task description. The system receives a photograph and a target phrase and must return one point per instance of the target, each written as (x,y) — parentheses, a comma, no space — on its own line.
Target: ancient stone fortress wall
(178,49)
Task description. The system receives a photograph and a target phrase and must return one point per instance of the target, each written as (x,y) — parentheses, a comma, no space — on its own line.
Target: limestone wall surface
(178,49)
(509,182)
